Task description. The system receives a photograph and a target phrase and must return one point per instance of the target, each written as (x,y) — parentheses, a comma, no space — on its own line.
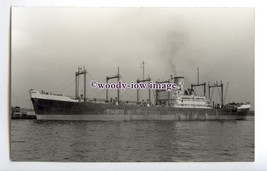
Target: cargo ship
(179,104)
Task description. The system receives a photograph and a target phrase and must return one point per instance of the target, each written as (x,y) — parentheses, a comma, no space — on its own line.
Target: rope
(90,76)
(95,92)
(63,83)
(226,91)
(67,85)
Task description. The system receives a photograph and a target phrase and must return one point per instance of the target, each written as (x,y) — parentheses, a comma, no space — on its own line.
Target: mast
(84,83)
(169,96)
(222,93)
(143,63)
(149,94)
(137,93)
(225,92)
(107,90)
(143,80)
(209,89)
(118,88)
(112,77)
(219,86)
(81,71)
(200,84)
(76,86)
(197,75)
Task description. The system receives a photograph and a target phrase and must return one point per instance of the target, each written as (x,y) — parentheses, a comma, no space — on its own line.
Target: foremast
(81,71)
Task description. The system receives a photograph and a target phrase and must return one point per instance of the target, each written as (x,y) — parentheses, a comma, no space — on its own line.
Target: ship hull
(46,109)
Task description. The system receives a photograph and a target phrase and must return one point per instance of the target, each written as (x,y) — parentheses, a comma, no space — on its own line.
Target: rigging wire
(125,93)
(67,86)
(131,96)
(67,80)
(229,96)
(97,92)
(226,91)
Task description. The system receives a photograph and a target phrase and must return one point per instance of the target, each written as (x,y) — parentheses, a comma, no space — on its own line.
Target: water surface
(132,141)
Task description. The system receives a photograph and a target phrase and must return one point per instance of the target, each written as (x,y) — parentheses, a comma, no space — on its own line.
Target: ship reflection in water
(144,141)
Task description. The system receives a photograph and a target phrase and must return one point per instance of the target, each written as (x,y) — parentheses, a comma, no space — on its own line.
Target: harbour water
(132,141)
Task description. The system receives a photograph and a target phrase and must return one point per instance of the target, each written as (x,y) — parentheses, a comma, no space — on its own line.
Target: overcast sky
(48,45)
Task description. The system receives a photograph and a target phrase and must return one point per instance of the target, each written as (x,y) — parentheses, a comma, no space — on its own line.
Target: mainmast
(144,80)
(199,84)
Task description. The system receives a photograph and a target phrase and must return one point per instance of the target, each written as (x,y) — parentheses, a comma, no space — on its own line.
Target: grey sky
(48,44)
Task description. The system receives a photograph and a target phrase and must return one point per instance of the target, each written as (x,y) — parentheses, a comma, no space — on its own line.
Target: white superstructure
(49,96)
(181,98)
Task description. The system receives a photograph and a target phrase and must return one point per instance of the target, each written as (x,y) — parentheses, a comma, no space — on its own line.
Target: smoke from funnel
(174,43)
(171,59)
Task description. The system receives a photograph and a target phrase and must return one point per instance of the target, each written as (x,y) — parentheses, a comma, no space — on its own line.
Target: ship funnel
(179,81)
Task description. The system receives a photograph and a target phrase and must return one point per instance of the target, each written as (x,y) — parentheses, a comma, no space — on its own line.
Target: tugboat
(17,113)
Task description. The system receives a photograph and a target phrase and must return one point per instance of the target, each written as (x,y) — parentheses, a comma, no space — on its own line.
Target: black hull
(62,110)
